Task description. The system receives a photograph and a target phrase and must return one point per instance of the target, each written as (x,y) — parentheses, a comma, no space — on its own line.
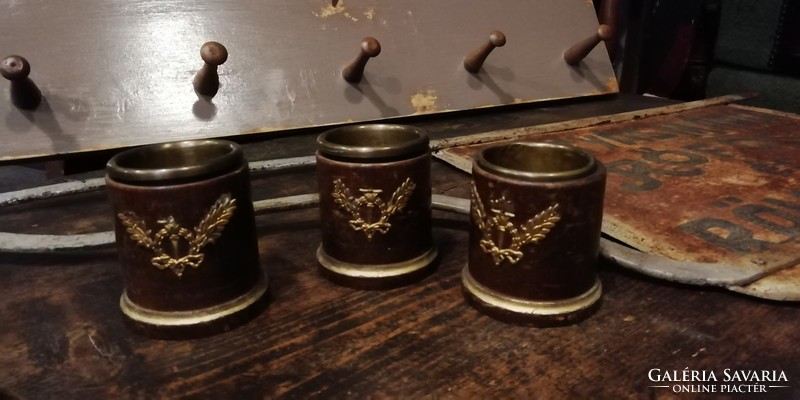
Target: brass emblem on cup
(371,200)
(185,207)
(497,228)
(178,237)
(375,205)
(544,214)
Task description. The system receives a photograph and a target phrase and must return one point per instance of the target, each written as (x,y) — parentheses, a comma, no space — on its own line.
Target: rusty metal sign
(713,186)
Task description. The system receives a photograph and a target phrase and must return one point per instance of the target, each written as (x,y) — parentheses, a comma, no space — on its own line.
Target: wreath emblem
(185,245)
(370,199)
(501,238)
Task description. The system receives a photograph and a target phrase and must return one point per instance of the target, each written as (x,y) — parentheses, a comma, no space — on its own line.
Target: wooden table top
(62,334)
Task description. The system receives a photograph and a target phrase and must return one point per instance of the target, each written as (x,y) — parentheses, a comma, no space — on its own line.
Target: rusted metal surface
(714,185)
(781,285)
(504,134)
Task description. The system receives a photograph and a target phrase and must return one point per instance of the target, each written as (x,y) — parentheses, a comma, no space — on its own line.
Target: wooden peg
(370,47)
(206,82)
(580,50)
(474,61)
(24,93)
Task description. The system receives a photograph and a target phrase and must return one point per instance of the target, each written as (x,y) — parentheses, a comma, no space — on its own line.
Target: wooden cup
(375,205)
(186,237)
(536,214)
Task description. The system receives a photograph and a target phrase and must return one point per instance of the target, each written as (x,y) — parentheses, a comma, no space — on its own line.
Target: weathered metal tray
(748,209)
(712,190)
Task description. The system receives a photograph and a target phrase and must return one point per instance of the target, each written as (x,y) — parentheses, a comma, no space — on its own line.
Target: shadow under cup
(186,237)
(535,220)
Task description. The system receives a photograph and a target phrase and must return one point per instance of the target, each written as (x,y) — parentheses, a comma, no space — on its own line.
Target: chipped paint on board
(612,86)
(330,10)
(424,102)
(370,13)
(327,11)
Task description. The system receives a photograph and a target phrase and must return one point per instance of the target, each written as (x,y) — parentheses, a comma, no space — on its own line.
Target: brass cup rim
(175,160)
(373,141)
(537,161)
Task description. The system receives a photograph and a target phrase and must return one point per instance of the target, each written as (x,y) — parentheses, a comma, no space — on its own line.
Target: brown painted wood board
(117,74)
(713,185)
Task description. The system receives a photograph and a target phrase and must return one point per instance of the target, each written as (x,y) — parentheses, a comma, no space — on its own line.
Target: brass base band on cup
(188,318)
(528,307)
(375,270)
